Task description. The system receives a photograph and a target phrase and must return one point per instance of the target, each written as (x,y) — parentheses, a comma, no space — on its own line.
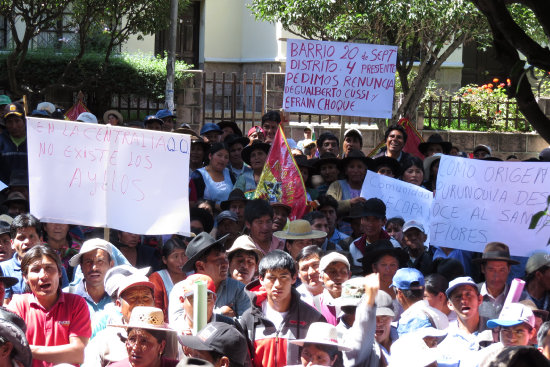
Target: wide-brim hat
(321,333)
(89,246)
(496,251)
(357,210)
(379,249)
(198,246)
(233,125)
(428,164)
(8,281)
(146,317)
(247,151)
(233,139)
(117,114)
(152,118)
(435,139)
(302,161)
(281,205)
(187,130)
(234,195)
(299,229)
(245,243)
(12,328)
(326,158)
(390,162)
(16,197)
(357,155)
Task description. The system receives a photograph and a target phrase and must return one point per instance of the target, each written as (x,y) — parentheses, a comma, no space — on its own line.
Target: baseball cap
(152,118)
(354,132)
(513,314)
(38,113)
(46,106)
(384,304)
(408,278)
(4,99)
(226,214)
(134,280)
(14,109)
(116,274)
(164,113)
(210,127)
(87,117)
(255,129)
(537,261)
(352,291)
(4,227)
(413,224)
(457,282)
(221,338)
(89,246)
(374,207)
(188,283)
(331,258)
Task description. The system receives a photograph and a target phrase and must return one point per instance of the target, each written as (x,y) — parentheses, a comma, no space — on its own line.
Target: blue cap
(210,127)
(513,314)
(164,113)
(408,278)
(457,282)
(40,113)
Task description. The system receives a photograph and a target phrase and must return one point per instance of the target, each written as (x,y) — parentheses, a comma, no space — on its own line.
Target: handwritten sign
(477,202)
(100,175)
(402,199)
(337,78)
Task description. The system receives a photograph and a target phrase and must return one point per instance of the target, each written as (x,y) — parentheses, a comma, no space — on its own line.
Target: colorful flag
(281,180)
(413,139)
(76,110)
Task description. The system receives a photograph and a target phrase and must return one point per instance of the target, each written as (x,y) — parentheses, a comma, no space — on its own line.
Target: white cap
(46,106)
(331,258)
(87,117)
(89,246)
(513,314)
(115,275)
(134,280)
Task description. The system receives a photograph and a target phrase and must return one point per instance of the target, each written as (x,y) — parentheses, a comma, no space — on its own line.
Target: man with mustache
(95,259)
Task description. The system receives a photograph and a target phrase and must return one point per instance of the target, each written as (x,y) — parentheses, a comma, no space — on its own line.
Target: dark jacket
(12,157)
(268,345)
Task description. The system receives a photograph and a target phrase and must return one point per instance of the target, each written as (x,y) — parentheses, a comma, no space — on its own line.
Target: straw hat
(145,317)
(299,230)
(321,333)
(117,114)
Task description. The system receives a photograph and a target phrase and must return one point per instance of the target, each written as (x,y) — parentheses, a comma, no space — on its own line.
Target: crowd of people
(342,286)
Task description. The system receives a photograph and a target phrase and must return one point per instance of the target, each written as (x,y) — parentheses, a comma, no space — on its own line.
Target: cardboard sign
(338,78)
(478,201)
(402,199)
(108,176)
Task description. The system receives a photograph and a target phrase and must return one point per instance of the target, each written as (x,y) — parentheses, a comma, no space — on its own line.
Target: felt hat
(435,139)
(233,139)
(326,158)
(198,246)
(152,118)
(256,145)
(357,210)
(384,161)
(244,243)
(299,229)
(16,197)
(374,207)
(321,333)
(496,251)
(484,147)
(12,329)
(380,248)
(233,125)
(281,205)
(428,161)
(117,114)
(146,317)
(235,195)
(188,131)
(359,155)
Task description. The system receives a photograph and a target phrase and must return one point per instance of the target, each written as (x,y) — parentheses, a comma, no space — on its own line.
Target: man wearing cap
(468,333)
(180,307)
(495,265)
(352,141)
(95,259)
(334,270)
(227,224)
(13,141)
(6,252)
(277,314)
(243,259)
(208,256)
(537,277)
(414,237)
(409,289)
(256,133)
(236,202)
(218,343)
(482,151)
(168,118)
(107,347)
(211,133)
(373,219)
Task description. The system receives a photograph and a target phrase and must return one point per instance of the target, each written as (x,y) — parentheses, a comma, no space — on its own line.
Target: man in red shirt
(58,324)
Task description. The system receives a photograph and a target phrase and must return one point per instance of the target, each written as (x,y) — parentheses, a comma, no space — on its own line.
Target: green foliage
(543,215)
(136,74)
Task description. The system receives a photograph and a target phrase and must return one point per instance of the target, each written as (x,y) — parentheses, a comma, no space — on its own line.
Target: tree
(425,31)
(521,26)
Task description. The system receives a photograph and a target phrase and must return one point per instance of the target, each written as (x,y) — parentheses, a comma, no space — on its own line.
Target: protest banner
(338,78)
(101,175)
(402,199)
(479,201)
(281,180)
